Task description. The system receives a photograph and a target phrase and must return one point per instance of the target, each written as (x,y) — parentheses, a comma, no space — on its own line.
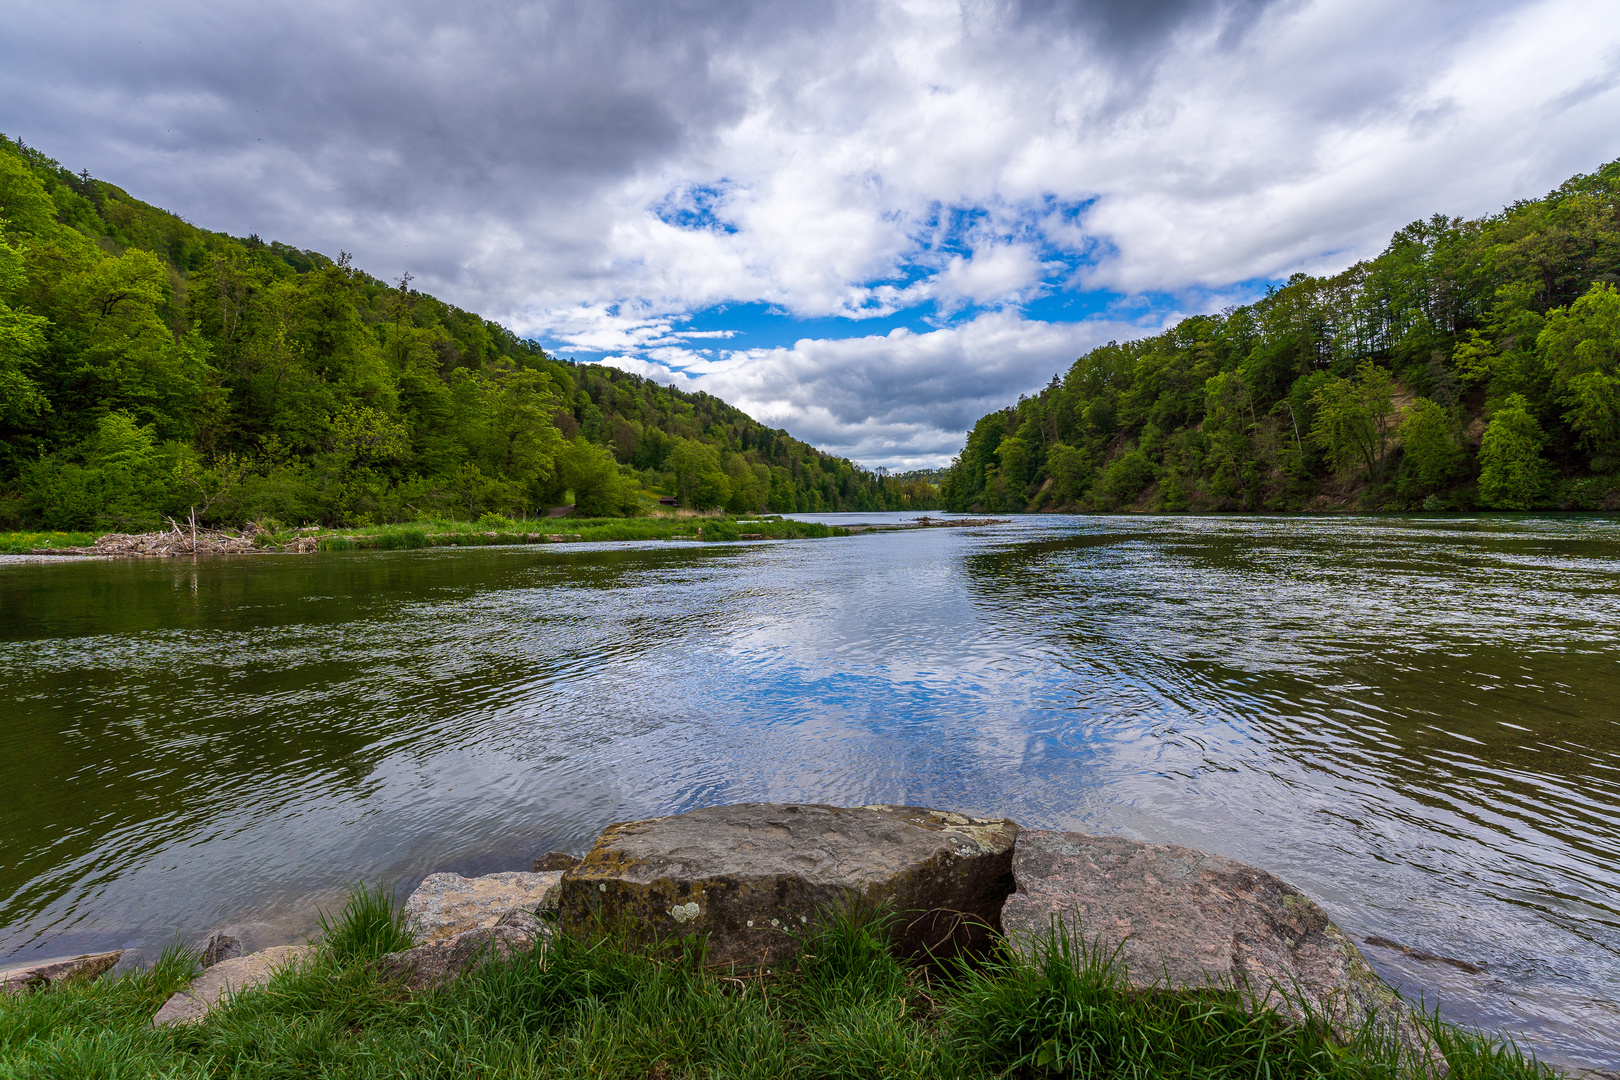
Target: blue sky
(866,222)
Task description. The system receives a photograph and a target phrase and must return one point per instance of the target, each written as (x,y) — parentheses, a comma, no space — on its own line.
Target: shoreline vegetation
(151,369)
(489,530)
(1473,365)
(598,1005)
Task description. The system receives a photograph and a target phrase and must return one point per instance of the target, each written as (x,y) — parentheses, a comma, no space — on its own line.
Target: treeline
(1473,364)
(149,368)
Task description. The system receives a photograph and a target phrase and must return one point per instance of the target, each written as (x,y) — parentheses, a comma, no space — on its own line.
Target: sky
(869,223)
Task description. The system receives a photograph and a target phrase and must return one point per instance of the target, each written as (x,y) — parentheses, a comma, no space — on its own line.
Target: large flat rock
(39,974)
(445,905)
(752,876)
(249,972)
(1183,919)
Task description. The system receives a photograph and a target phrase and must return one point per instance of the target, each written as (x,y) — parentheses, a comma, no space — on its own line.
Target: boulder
(249,972)
(754,876)
(441,961)
(1182,919)
(448,904)
(39,974)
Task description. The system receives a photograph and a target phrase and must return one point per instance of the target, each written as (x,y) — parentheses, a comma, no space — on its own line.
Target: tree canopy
(1472,364)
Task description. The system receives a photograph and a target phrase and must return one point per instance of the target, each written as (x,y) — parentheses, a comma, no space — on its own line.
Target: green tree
(1354,418)
(117,481)
(700,482)
(1512,474)
(600,489)
(1070,470)
(1432,449)
(1582,342)
(22,341)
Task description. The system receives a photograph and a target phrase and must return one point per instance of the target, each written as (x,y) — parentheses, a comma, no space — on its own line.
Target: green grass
(421,534)
(21,543)
(598,1008)
(491,530)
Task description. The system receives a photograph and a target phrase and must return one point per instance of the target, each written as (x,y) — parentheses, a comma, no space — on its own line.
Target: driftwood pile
(926,522)
(178,540)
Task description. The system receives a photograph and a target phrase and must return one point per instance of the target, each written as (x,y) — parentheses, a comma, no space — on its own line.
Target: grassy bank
(594,1009)
(488,530)
(491,530)
(21,543)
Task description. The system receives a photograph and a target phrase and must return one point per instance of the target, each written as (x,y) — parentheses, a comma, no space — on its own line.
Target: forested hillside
(1473,364)
(149,367)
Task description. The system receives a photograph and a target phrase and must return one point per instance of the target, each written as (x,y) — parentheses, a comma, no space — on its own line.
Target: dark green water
(1415,720)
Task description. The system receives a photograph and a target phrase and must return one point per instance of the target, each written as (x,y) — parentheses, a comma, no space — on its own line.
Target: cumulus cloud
(901,399)
(596,171)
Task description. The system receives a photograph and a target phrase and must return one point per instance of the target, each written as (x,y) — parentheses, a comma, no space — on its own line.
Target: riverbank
(181,540)
(583,1006)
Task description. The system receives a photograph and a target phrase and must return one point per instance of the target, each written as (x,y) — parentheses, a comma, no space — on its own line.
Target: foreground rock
(42,973)
(445,905)
(249,972)
(442,961)
(754,875)
(1183,919)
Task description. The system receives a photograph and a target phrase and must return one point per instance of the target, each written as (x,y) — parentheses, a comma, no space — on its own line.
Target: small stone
(556,860)
(233,976)
(439,962)
(39,974)
(220,947)
(448,904)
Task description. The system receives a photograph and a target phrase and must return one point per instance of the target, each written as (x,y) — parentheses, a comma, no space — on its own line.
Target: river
(1414,719)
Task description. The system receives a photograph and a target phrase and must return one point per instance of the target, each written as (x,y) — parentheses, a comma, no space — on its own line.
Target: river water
(1415,720)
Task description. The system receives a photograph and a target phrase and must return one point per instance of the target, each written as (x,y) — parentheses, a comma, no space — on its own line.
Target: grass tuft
(368,926)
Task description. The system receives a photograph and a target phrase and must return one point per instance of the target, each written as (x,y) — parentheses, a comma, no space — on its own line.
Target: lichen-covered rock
(448,904)
(1184,919)
(753,876)
(439,962)
(249,972)
(39,974)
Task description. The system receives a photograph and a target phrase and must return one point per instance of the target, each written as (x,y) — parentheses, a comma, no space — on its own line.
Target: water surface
(1412,719)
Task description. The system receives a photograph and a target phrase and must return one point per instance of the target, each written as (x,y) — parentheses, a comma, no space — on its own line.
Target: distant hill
(148,366)
(1473,364)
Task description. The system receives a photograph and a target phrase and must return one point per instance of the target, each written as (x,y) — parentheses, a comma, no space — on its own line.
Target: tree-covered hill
(1473,364)
(148,366)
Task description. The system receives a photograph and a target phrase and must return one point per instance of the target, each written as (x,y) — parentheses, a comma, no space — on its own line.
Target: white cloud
(595,171)
(901,399)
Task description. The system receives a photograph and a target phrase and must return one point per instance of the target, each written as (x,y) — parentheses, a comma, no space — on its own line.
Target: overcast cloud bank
(995,186)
